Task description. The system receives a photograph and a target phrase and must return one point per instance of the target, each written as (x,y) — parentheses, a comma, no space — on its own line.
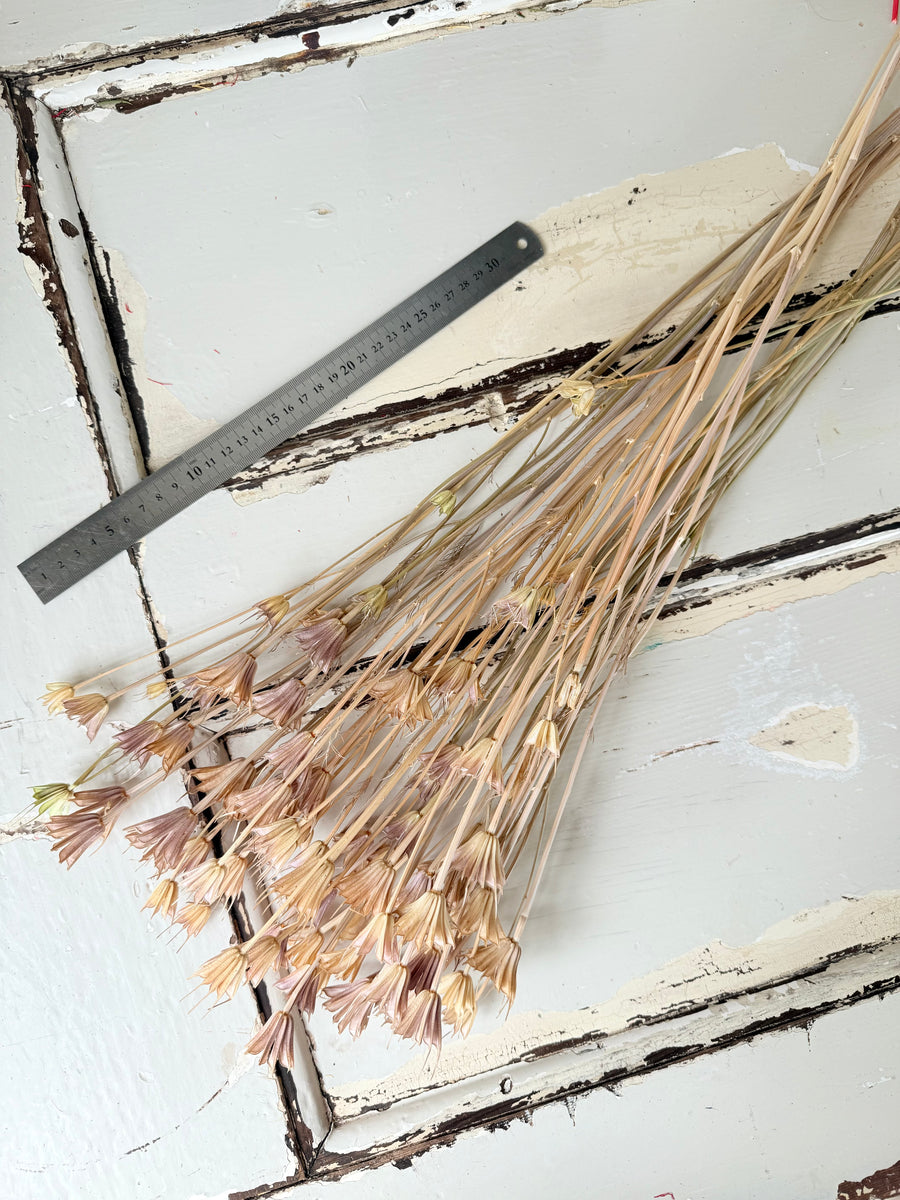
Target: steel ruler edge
(290,408)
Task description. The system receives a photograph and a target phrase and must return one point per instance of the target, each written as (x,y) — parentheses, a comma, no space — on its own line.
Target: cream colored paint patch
(172,428)
(797,944)
(827,738)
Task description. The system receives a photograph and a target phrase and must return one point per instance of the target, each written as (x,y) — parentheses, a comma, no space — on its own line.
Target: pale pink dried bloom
(516,608)
(425,922)
(89,711)
(224,972)
(424,968)
(478,859)
(389,990)
(342,964)
(172,743)
(193,917)
(457,991)
(101,800)
(307,885)
(293,753)
(403,696)
(194,853)
(499,962)
(304,950)
(366,888)
(441,764)
(264,953)
(454,676)
(570,692)
(275,1041)
(416,886)
(302,988)
(164,898)
(74,833)
(311,789)
(322,639)
(162,838)
(276,843)
(264,803)
(230,679)
(218,879)
(56,695)
(378,935)
(397,829)
(218,781)
(350,1006)
(136,741)
(483,759)
(274,609)
(283,705)
(421,1022)
(478,915)
(544,737)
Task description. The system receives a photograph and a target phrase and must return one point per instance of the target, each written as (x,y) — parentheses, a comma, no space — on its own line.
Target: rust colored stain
(310,41)
(883,1185)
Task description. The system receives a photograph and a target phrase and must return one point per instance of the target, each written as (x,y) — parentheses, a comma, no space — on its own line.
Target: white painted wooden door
(197,202)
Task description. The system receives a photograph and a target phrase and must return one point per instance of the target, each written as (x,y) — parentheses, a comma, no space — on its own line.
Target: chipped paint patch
(881,1185)
(826,738)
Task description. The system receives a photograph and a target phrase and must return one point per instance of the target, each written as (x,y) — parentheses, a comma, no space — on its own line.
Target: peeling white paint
(823,737)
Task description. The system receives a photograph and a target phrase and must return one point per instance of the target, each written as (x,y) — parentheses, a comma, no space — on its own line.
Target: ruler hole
(522,244)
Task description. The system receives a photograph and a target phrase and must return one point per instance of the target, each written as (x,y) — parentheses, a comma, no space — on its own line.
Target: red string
(895,6)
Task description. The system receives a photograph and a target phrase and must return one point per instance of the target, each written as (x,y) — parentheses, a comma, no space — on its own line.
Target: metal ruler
(284,412)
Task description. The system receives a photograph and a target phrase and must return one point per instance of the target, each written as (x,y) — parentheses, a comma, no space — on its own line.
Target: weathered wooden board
(111,1085)
(811,1113)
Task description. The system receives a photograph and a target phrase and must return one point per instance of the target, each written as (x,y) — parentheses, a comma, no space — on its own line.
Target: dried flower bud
(366,888)
(478,915)
(283,705)
(164,898)
(193,917)
(263,954)
(138,740)
(274,609)
(307,885)
(172,743)
(425,922)
(544,737)
(215,782)
(52,799)
(378,935)
(580,392)
(278,842)
(302,988)
(478,859)
(290,755)
(101,800)
(373,600)
(223,973)
(350,1006)
(445,501)
(75,833)
(516,608)
(483,760)
(56,695)
(457,991)
(162,838)
(403,696)
(570,692)
(232,679)
(323,639)
(89,711)
(389,990)
(499,964)
(421,1022)
(274,1043)
(194,854)
(158,688)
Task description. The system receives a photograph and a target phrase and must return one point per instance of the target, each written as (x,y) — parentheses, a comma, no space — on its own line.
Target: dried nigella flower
(482,759)
(274,609)
(223,973)
(498,962)
(517,608)
(172,743)
(263,954)
(425,922)
(307,885)
(56,695)
(350,1006)
(163,838)
(403,697)
(366,888)
(422,1020)
(283,705)
(478,915)
(275,1041)
(544,737)
(193,917)
(74,833)
(570,692)
(389,989)
(89,711)
(457,991)
(478,859)
(323,639)
(137,741)
(164,898)
(302,988)
(232,679)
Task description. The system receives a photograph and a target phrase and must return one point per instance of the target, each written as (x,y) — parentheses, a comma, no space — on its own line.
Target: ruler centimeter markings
(284,412)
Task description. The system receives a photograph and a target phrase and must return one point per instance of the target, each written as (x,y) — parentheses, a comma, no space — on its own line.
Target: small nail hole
(522,244)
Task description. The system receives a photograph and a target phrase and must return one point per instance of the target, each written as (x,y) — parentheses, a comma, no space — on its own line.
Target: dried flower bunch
(417,697)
